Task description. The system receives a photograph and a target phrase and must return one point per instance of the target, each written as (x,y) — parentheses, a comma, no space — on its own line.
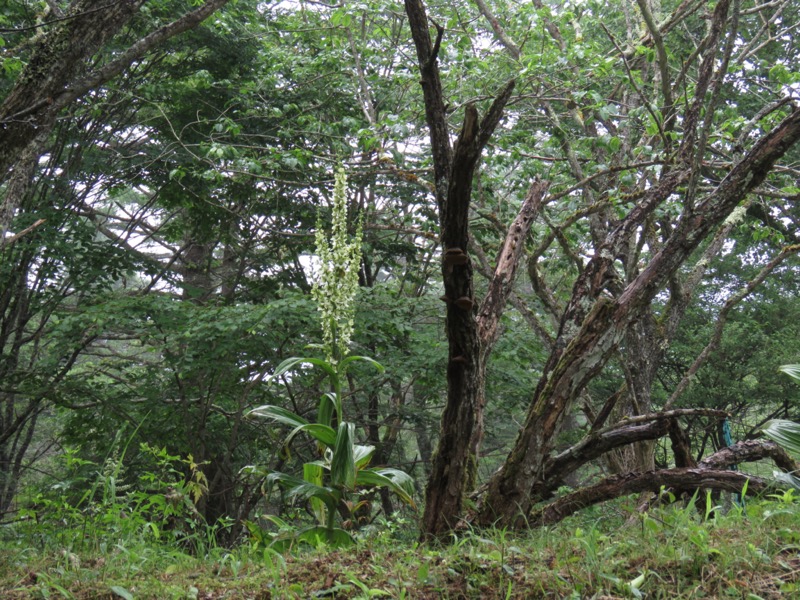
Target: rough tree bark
(471,333)
(709,473)
(604,307)
(595,322)
(650,481)
(580,356)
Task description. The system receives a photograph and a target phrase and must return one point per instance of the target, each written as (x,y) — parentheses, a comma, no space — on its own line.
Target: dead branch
(651,481)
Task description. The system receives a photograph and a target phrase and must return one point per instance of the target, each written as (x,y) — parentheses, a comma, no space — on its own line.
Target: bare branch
(652,481)
(509,44)
(750,451)
(8,241)
(508,260)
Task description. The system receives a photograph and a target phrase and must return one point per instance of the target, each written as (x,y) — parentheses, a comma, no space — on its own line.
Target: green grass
(673,552)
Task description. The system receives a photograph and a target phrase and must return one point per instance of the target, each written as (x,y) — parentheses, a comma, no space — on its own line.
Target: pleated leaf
(343,466)
(362,455)
(396,481)
(312,473)
(279,414)
(291,363)
(322,433)
(329,404)
(784,433)
(351,359)
(787,478)
(791,370)
(299,488)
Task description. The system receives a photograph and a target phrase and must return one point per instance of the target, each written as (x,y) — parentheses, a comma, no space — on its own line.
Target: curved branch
(750,451)
(628,431)
(507,42)
(651,481)
(591,448)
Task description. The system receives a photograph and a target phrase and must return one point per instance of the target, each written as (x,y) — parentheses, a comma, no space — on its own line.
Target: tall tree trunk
(471,330)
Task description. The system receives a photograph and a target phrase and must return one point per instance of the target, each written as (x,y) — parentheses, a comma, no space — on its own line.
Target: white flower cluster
(336,284)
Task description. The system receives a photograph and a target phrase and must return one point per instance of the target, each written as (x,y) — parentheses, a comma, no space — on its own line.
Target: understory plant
(94,507)
(331,482)
(785,433)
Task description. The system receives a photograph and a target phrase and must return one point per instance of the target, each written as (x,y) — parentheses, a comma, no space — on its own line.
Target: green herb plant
(331,482)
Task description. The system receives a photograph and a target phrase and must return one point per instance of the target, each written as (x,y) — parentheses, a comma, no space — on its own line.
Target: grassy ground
(671,553)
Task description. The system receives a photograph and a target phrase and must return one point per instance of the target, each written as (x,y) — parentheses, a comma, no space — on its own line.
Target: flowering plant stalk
(329,482)
(336,284)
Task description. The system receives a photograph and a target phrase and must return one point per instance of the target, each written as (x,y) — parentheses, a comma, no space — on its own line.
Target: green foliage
(224,140)
(95,507)
(783,432)
(792,371)
(342,469)
(674,553)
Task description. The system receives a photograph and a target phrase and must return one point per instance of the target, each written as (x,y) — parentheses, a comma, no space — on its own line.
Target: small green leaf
(121,592)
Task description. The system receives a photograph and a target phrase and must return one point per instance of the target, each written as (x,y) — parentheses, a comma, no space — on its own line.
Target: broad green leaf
(276,413)
(784,433)
(397,481)
(322,433)
(299,488)
(350,359)
(288,481)
(121,592)
(362,455)
(306,491)
(787,478)
(290,363)
(792,371)
(329,536)
(329,404)
(277,521)
(343,466)
(312,473)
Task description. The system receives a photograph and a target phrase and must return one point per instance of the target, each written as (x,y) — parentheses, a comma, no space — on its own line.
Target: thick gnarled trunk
(471,329)
(508,499)
(608,310)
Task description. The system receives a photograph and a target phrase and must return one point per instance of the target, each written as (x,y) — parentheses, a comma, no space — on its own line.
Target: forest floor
(675,552)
